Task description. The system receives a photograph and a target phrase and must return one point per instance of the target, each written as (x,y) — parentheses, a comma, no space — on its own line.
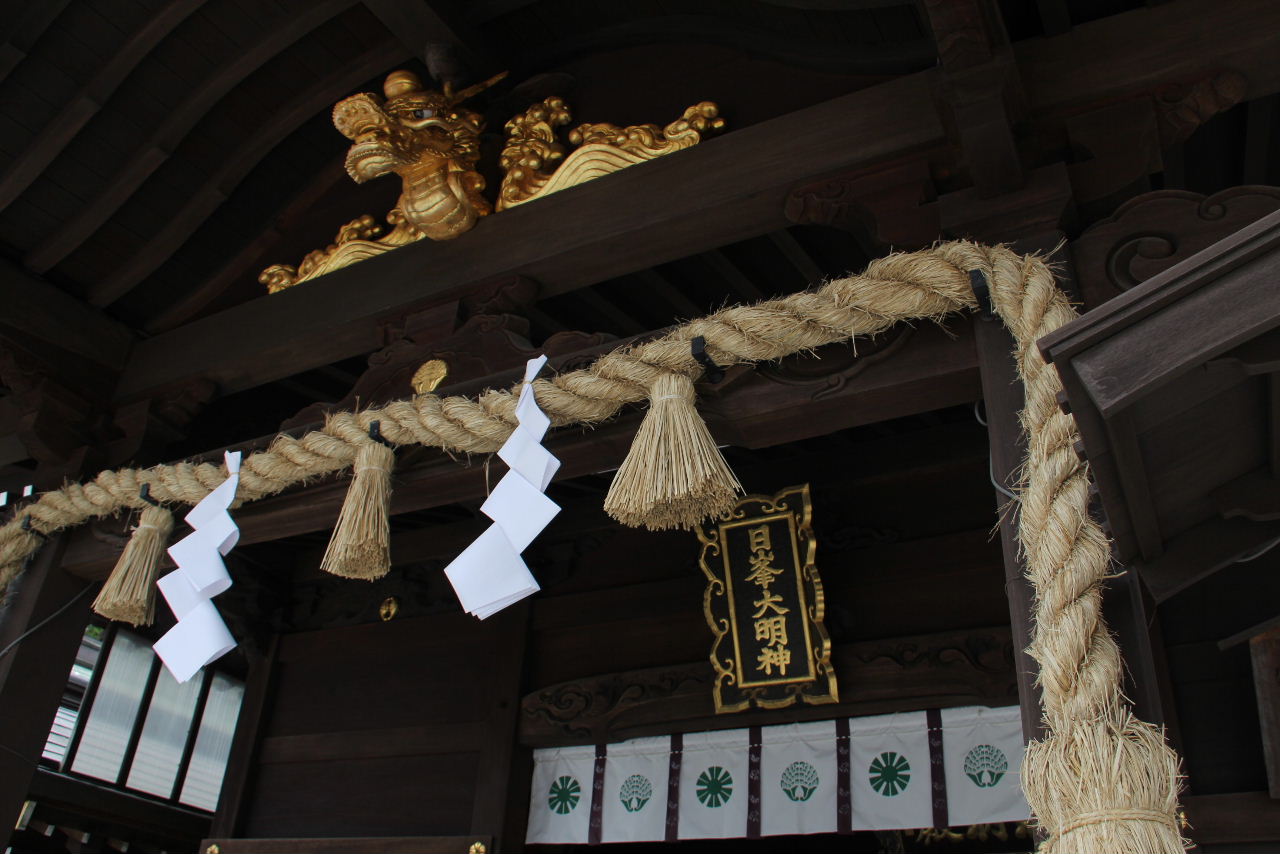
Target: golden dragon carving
(433,144)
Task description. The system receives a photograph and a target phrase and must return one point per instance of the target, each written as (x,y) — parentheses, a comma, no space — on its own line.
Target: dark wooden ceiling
(158,154)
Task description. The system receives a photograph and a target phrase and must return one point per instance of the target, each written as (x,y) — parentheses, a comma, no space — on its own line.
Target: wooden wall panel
(385,729)
(383,796)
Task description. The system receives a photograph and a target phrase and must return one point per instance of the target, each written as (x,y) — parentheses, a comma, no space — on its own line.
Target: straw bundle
(130,592)
(361,543)
(674,476)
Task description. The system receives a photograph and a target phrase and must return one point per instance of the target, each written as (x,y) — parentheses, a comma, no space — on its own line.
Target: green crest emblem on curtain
(635,792)
(799,781)
(985,765)
(890,773)
(715,787)
(564,795)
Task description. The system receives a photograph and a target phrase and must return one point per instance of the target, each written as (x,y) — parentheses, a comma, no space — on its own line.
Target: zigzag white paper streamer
(200,635)
(490,574)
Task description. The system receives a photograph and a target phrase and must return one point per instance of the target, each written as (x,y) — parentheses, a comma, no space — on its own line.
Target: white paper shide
(490,574)
(200,635)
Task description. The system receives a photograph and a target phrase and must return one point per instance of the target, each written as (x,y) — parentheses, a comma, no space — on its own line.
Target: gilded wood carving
(433,144)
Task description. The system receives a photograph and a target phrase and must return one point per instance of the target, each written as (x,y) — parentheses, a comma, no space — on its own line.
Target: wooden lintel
(888,675)
(730,188)
(42,311)
(931,370)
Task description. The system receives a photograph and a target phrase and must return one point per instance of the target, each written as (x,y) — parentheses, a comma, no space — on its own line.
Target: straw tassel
(129,596)
(674,476)
(361,542)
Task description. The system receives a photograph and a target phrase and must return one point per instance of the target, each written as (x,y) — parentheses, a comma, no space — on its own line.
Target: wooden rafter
(166,138)
(86,103)
(23,30)
(417,23)
(203,202)
(241,263)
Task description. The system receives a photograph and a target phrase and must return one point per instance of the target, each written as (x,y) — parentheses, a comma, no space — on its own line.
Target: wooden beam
(887,675)
(1189,295)
(166,138)
(166,824)
(40,310)
(1264,651)
(351,845)
(1145,49)
(417,24)
(737,280)
(797,257)
(656,282)
(623,322)
(85,103)
(233,799)
(24,28)
(34,675)
(732,188)
(933,369)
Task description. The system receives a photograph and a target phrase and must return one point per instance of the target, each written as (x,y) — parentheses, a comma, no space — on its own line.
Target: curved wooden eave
(166,138)
(85,104)
(888,58)
(203,202)
(25,30)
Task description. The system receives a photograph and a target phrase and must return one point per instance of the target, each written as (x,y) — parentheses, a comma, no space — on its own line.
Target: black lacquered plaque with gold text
(764,604)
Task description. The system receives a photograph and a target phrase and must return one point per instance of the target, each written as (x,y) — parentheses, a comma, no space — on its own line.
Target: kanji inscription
(764,604)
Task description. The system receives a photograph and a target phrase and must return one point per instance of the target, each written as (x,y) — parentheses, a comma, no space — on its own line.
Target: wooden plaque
(764,604)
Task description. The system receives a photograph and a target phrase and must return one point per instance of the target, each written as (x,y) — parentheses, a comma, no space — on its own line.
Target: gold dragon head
(410,126)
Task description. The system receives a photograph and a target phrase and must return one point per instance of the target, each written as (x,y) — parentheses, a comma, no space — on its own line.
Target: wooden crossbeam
(730,189)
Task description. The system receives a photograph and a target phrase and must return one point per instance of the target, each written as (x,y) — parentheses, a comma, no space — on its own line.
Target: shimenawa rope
(1096,759)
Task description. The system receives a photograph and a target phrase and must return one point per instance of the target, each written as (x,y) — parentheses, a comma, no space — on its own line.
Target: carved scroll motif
(1150,233)
(532,147)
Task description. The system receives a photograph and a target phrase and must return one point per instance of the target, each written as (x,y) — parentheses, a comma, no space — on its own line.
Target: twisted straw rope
(1096,761)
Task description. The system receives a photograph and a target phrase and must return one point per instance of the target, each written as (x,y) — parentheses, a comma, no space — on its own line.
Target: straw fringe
(674,476)
(361,543)
(129,594)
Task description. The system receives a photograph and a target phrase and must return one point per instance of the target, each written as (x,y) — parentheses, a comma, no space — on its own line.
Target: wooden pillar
(34,674)
(1127,606)
(1264,649)
(1002,393)
(238,779)
(502,782)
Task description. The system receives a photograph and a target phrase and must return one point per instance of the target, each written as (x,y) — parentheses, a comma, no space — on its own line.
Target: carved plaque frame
(788,515)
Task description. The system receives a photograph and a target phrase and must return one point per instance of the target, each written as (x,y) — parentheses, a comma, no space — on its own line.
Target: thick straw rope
(1100,777)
